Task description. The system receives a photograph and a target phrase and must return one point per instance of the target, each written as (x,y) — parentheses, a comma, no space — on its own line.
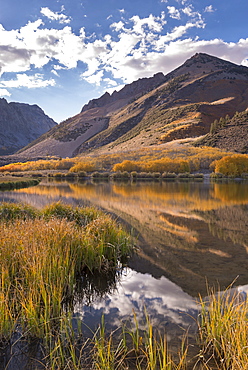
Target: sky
(60,54)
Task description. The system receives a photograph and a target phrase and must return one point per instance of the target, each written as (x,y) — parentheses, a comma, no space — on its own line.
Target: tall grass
(133,348)
(42,253)
(224,329)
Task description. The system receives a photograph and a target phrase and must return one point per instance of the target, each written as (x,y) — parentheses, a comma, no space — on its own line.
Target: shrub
(83,166)
(59,175)
(169,176)
(185,175)
(82,174)
(120,176)
(71,175)
(134,175)
(127,166)
(160,165)
(232,165)
(64,164)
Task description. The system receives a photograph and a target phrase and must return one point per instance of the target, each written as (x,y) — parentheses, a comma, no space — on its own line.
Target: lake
(189,234)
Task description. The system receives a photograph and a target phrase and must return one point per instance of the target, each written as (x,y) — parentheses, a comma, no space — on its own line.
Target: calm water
(188,233)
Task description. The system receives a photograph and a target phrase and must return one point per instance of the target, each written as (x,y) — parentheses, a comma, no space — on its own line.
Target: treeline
(238,117)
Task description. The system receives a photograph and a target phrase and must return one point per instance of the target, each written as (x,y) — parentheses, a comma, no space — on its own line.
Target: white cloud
(176,33)
(110,90)
(173,12)
(31,82)
(245,62)
(139,48)
(58,16)
(58,67)
(188,10)
(117,26)
(162,299)
(153,23)
(110,82)
(95,78)
(209,9)
(4,92)
(55,72)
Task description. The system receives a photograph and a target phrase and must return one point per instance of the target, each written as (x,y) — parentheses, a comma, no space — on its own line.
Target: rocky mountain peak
(141,86)
(204,58)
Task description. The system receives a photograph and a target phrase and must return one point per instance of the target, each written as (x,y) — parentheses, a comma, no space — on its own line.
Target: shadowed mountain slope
(20,124)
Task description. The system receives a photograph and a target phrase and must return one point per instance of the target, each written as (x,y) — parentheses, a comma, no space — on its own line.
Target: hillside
(152,111)
(229,133)
(20,124)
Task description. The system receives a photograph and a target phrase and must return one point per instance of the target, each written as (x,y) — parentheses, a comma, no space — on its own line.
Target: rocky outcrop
(20,124)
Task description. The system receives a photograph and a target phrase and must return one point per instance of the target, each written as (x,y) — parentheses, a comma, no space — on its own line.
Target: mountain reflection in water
(188,232)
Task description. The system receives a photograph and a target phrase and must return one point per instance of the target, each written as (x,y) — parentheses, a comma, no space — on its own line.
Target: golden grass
(224,329)
(144,349)
(41,255)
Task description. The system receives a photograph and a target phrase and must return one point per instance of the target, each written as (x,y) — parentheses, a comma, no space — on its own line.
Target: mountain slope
(20,124)
(229,133)
(152,110)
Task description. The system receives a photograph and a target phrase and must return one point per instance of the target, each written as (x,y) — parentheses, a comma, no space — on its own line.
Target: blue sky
(60,54)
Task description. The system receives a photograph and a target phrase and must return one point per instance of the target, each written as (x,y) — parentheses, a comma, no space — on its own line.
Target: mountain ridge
(152,110)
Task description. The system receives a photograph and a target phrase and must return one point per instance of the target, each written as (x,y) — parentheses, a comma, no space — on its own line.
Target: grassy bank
(10,182)
(43,253)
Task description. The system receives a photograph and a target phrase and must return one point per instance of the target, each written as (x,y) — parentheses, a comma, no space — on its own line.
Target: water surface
(188,233)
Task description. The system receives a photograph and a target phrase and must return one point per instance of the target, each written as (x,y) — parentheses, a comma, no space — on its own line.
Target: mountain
(228,133)
(152,111)
(20,124)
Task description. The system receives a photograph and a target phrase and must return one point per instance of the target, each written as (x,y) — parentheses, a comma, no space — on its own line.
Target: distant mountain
(152,110)
(20,124)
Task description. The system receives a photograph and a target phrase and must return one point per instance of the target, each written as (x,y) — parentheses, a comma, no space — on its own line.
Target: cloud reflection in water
(166,303)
